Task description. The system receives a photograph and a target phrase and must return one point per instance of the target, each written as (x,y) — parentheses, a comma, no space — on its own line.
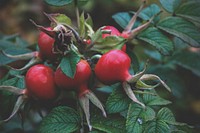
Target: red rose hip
(40,82)
(113,67)
(45,43)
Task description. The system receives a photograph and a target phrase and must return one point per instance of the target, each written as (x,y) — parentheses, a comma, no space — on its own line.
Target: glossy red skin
(80,80)
(45,43)
(40,82)
(114,32)
(113,67)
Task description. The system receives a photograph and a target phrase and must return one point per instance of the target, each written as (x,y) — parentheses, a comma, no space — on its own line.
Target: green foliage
(170,5)
(182,29)
(188,60)
(171,37)
(149,12)
(68,64)
(58,2)
(63,2)
(189,10)
(154,100)
(85,27)
(122,18)
(137,116)
(104,45)
(63,19)
(117,101)
(61,119)
(111,124)
(157,126)
(110,42)
(7,43)
(135,66)
(154,37)
(166,115)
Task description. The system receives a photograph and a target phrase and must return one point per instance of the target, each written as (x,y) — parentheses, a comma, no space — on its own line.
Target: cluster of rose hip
(42,81)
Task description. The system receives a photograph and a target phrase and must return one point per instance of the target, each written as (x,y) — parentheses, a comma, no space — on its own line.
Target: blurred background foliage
(185,83)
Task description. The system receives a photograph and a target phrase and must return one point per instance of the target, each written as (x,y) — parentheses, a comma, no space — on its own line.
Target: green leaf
(86,25)
(89,20)
(96,131)
(137,116)
(172,78)
(179,44)
(21,42)
(21,83)
(108,43)
(58,2)
(123,18)
(152,100)
(82,2)
(4,44)
(68,64)
(166,115)
(154,37)
(62,18)
(11,37)
(134,60)
(111,124)
(61,119)
(117,101)
(13,51)
(157,126)
(170,5)
(189,10)
(153,54)
(149,12)
(11,81)
(16,81)
(182,29)
(82,28)
(188,60)
(109,88)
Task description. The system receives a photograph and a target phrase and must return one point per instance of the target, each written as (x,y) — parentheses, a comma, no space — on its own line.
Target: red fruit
(45,43)
(80,80)
(113,67)
(114,32)
(40,82)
